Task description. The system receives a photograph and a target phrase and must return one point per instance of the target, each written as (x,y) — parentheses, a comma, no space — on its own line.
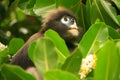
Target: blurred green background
(14,23)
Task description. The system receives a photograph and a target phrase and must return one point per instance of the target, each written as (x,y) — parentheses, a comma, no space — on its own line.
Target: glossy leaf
(15,44)
(117,2)
(28,6)
(62,49)
(88,12)
(118,17)
(36,7)
(69,4)
(118,46)
(43,10)
(105,12)
(44,55)
(72,63)
(107,67)
(80,13)
(4,56)
(59,75)
(14,73)
(110,11)
(97,33)
(113,33)
(96,12)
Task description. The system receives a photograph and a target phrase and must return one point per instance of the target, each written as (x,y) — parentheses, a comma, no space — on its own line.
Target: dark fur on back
(21,57)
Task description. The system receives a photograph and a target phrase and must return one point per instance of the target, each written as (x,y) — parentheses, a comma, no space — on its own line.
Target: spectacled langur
(63,22)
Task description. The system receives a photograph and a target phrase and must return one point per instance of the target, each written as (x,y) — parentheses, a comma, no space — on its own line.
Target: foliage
(100,20)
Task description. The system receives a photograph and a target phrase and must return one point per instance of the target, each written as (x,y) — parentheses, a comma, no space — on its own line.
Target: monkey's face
(64,23)
(71,26)
(67,27)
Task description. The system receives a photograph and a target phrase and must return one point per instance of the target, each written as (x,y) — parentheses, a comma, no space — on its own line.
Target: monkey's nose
(73,27)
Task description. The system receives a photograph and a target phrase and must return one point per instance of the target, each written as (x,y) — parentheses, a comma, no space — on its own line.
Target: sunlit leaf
(80,13)
(88,12)
(72,64)
(59,75)
(62,49)
(110,11)
(107,67)
(117,2)
(43,10)
(42,7)
(113,33)
(44,55)
(95,11)
(36,7)
(98,32)
(28,6)
(4,56)
(66,3)
(20,15)
(14,73)
(118,46)
(105,12)
(15,44)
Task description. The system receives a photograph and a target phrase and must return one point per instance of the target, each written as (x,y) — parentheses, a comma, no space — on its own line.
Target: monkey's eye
(72,21)
(65,19)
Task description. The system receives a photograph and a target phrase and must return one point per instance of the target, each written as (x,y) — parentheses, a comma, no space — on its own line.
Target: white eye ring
(65,19)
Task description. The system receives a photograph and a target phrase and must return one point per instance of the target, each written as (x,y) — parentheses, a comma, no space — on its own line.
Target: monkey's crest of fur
(56,14)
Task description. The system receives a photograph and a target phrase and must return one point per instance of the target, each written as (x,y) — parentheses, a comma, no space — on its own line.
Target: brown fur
(51,21)
(55,15)
(21,57)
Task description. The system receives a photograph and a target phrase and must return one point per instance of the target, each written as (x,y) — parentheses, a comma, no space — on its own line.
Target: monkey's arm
(21,57)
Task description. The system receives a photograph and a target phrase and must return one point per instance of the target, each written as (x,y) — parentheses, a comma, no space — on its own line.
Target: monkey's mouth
(74,32)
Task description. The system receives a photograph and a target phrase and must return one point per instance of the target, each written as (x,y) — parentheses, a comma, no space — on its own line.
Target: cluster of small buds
(88,64)
(2,46)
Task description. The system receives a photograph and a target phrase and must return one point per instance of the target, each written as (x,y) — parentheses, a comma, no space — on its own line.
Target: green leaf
(110,11)
(43,10)
(69,4)
(79,10)
(105,12)
(59,75)
(4,56)
(43,3)
(44,55)
(31,50)
(95,11)
(15,44)
(97,34)
(107,67)
(1,76)
(88,12)
(36,7)
(118,18)
(62,49)
(20,15)
(117,2)
(11,72)
(72,63)
(118,46)
(113,33)
(27,6)
(89,78)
